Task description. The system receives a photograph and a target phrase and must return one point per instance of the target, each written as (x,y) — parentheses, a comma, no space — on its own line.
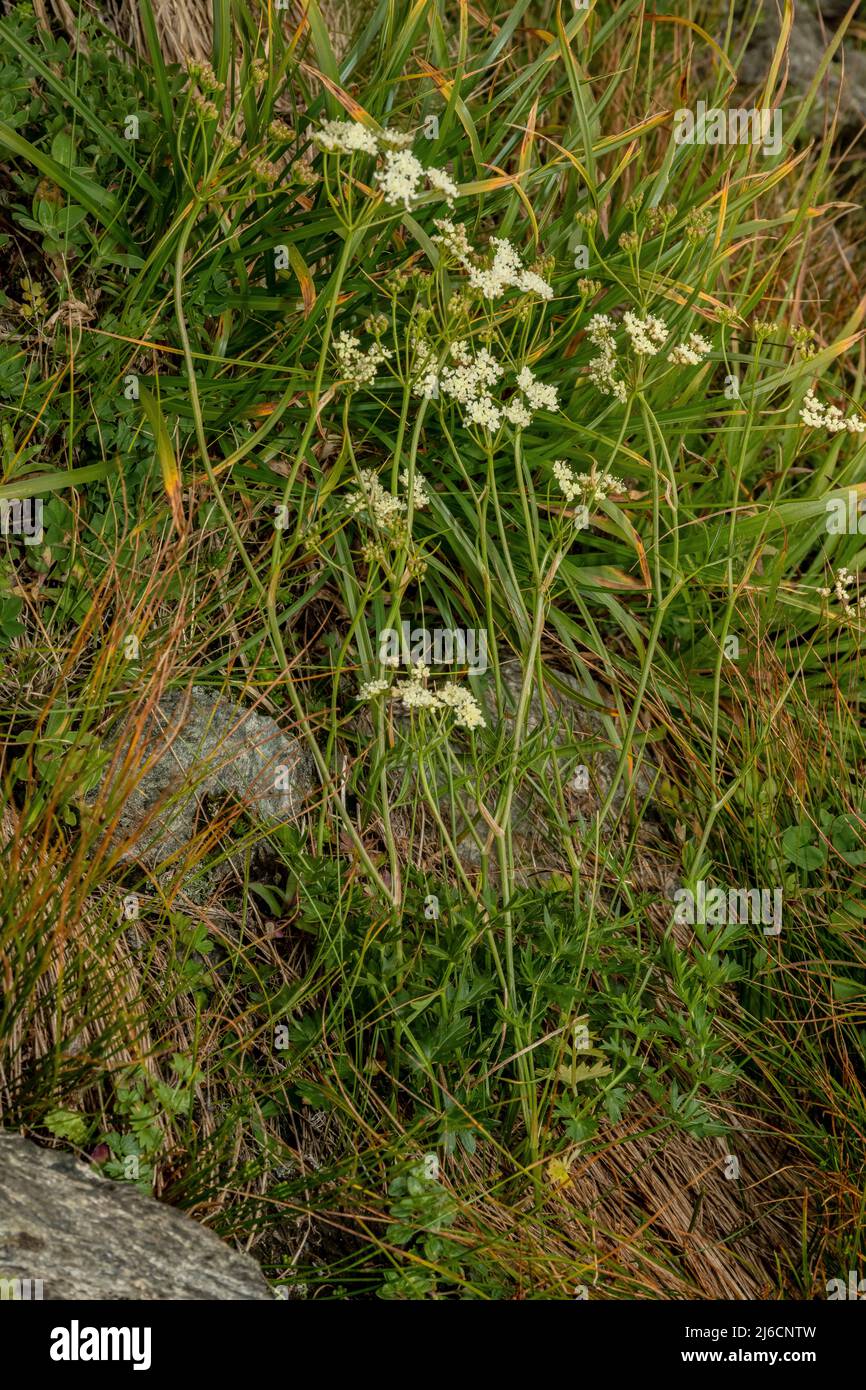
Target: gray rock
(200,746)
(88,1237)
(845,84)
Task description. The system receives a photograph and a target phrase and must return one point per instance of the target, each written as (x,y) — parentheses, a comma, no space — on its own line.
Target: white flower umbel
(852,606)
(647,335)
(346,137)
(603,369)
(453,238)
(374,502)
(402,177)
(601,330)
(539,396)
(355,367)
(424,371)
(585,487)
(829,417)
(467,710)
(420,496)
(414,694)
(468,382)
(370,689)
(442,183)
(505,270)
(691,352)
(396,139)
(517,414)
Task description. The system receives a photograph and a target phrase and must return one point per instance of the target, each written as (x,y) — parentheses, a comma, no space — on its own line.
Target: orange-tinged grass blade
(348,103)
(305,279)
(165,453)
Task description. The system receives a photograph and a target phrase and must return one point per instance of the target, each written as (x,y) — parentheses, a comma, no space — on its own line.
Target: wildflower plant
(437,326)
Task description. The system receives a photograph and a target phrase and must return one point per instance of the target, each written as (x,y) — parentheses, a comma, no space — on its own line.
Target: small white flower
(467,710)
(829,417)
(403,175)
(539,396)
(420,496)
(370,689)
(396,139)
(443,183)
(647,335)
(469,382)
(517,414)
(372,499)
(601,330)
(506,272)
(603,369)
(691,352)
(482,411)
(424,371)
(346,137)
(400,179)
(414,696)
(532,283)
(453,238)
(586,487)
(355,367)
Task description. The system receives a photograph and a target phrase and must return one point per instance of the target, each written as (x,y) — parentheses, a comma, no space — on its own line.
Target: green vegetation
(410,1045)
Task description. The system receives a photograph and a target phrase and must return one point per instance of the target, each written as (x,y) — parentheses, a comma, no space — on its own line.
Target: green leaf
(67,1124)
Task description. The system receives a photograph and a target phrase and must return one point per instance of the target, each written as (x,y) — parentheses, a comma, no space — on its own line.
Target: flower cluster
(420,495)
(370,689)
(851,607)
(493,276)
(538,396)
(202,73)
(585,487)
(402,177)
(346,137)
(425,377)
(414,693)
(603,369)
(646,338)
(469,383)
(829,417)
(355,367)
(379,505)
(691,352)
(647,335)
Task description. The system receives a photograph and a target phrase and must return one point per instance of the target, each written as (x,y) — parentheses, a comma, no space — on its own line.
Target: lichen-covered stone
(841,97)
(87,1237)
(200,746)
